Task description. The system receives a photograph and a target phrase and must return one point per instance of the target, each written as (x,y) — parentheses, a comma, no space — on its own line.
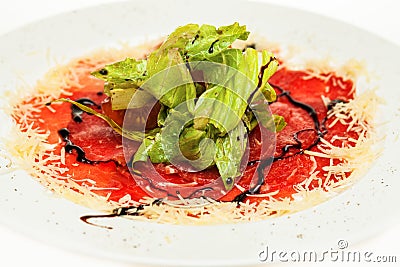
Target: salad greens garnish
(206,112)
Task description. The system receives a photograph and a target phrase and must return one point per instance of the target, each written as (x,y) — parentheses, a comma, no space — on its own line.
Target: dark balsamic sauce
(200,192)
(86,219)
(69,147)
(314,116)
(195,38)
(211,49)
(260,79)
(150,182)
(334,102)
(64,133)
(103,72)
(249,46)
(121,211)
(262,164)
(319,129)
(81,154)
(76,112)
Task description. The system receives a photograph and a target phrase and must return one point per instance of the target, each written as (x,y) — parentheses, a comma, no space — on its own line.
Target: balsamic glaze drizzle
(253,45)
(69,145)
(81,155)
(260,79)
(76,112)
(150,182)
(121,211)
(319,129)
(211,49)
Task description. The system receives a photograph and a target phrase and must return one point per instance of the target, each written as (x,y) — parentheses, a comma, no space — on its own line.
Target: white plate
(365,209)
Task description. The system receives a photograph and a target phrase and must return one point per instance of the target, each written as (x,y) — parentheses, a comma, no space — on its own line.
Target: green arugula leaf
(128,70)
(125,98)
(122,82)
(151,147)
(173,85)
(224,105)
(189,142)
(133,135)
(210,41)
(269,66)
(279,122)
(229,153)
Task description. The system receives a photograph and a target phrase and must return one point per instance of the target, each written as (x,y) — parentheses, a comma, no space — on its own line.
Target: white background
(379,17)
